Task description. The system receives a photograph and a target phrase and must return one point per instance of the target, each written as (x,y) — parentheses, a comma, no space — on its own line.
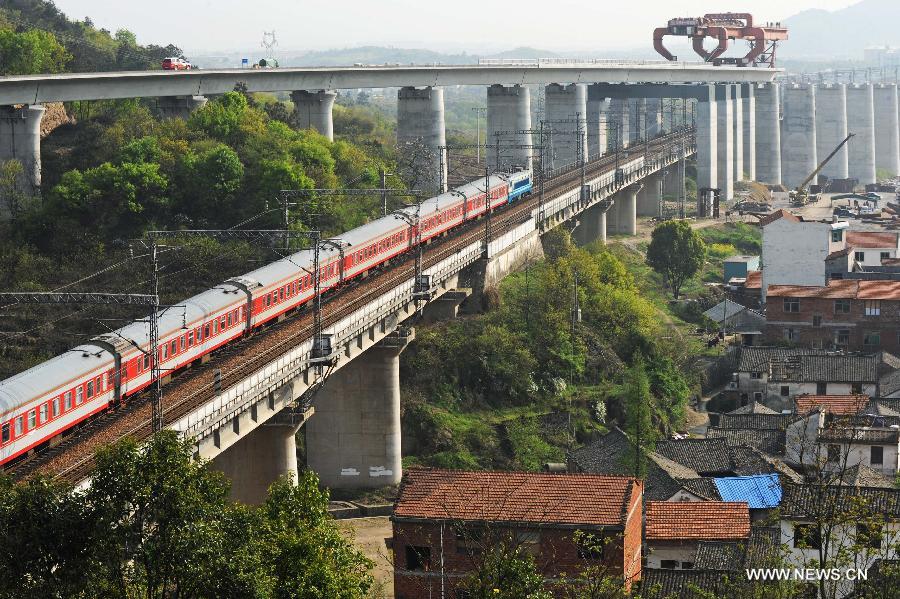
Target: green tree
(506,571)
(676,252)
(207,183)
(638,417)
(31,52)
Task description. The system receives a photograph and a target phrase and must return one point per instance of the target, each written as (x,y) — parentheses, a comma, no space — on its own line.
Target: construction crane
(724,27)
(800,196)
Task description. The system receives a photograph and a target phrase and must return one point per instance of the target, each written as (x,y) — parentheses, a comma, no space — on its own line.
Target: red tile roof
(842,289)
(839,253)
(839,405)
(871,239)
(697,520)
(754,280)
(573,499)
(782,213)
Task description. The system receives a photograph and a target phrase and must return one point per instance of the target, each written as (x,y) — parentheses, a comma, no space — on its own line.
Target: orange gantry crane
(724,27)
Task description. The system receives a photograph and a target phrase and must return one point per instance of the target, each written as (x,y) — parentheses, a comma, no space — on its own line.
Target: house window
(755,375)
(418,558)
(807,536)
(785,391)
(757,396)
(842,337)
(687,565)
(792,304)
(869,536)
(885,256)
(669,564)
(817,321)
(530,541)
(842,306)
(856,388)
(873,308)
(591,548)
(837,235)
(834,453)
(859,256)
(876,455)
(821,388)
(872,338)
(790,335)
(468,540)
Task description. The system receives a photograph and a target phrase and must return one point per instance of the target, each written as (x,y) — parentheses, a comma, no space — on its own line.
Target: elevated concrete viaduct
(313,90)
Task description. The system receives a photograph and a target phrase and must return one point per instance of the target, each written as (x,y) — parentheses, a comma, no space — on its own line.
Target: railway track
(73,458)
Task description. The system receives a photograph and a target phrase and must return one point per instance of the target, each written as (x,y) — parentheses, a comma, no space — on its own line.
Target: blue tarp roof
(760,491)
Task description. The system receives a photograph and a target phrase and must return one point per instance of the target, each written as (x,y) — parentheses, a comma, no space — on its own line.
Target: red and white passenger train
(50,398)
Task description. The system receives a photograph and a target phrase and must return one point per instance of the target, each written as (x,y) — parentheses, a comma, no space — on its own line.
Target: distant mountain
(845,33)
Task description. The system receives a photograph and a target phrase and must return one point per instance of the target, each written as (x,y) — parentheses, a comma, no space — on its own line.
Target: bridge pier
(446,307)
(649,196)
(597,125)
(627,213)
(738,135)
(831,128)
(654,117)
(768,134)
(420,137)
(260,457)
(20,139)
(508,109)
(619,124)
(748,116)
(313,110)
(798,134)
(565,103)
(591,226)
(354,440)
(637,121)
(861,121)
(179,107)
(887,128)
(706,121)
(725,141)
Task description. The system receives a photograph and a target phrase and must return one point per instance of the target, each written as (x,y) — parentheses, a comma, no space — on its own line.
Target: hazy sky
(473,25)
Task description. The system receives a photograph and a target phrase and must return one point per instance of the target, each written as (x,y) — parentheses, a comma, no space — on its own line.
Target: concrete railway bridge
(270,387)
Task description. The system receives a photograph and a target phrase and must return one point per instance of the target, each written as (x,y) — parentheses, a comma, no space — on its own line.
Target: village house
(774,375)
(861,524)
(833,442)
(850,315)
(796,252)
(444,521)
(674,529)
(871,248)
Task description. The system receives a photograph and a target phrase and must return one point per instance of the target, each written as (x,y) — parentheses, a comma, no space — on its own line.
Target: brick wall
(854,326)
(555,553)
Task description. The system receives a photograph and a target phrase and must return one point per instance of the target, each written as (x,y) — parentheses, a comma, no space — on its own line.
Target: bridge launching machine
(724,27)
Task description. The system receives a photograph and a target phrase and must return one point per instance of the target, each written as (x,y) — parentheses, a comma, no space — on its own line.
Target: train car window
(295,292)
(79,395)
(206,331)
(32,419)
(90,389)
(19,425)
(146,362)
(190,338)
(174,348)
(165,352)
(222,323)
(67,401)
(182,342)
(281,294)
(5,435)
(43,413)
(216,327)
(229,319)
(55,407)
(243,313)
(99,382)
